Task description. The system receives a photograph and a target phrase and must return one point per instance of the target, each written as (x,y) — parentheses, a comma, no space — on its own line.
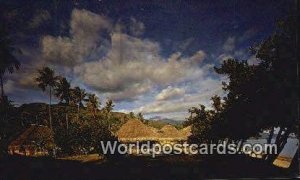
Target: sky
(153,57)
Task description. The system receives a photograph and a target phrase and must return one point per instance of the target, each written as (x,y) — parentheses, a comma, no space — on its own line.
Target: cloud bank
(126,67)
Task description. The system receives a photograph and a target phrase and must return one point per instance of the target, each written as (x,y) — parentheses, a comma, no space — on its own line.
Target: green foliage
(158,124)
(78,95)
(93,104)
(46,78)
(62,90)
(259,97)
(9,124)
(8,61)
(72,136)
(132,115)
(109,106)
(140,117)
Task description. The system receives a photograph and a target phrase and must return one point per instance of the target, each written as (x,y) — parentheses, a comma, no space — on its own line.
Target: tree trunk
(67,122)
(50,116)
(94,113)
(283,140)
(269,140)
(78,109)
(279,135)
(270,136)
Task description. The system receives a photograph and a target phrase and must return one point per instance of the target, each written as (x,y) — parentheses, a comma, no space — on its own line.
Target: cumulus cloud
(133,66)
(248,34)
(123,66)
(224,57)
(9,86)
(85,39)
(169,93)
(229,44)
(136,27)
(180,105)
(39,18)
(253,60)
(182,46)
(205,90)
(198,57)
(130,67)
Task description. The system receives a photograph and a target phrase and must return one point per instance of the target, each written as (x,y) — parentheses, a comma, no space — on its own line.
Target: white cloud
(253,60)
(130,66)
(229,44)
(85,28)
(224,57)
(133,66)
(198,57)
(136,27)
(130,69)
(206,88)
(39,18)
(169,93)
(9,86)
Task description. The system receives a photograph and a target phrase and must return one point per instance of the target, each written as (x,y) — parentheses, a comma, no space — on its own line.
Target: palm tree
(78,96)
(140,117)
(46,79)
(8,61)
(93,103)
(62,90)
(109,106)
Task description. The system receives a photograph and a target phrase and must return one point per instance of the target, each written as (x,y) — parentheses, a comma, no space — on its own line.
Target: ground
(138,167)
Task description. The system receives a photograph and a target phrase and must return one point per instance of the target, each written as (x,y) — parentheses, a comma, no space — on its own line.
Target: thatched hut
(186,132)
(36,140)
(135,130)
(169,133)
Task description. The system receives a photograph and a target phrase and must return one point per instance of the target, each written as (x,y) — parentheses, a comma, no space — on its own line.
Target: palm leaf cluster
(47,79)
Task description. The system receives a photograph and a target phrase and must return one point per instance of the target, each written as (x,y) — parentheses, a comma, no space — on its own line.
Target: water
(289,149)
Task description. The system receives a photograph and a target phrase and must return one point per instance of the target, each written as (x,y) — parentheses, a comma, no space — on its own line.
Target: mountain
(166,120)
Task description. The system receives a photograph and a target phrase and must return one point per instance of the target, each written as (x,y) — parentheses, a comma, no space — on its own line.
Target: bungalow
(36,140)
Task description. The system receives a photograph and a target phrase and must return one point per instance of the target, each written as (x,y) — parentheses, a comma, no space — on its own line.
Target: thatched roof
(34,135)
(135,129)
(186,132)
(169,131)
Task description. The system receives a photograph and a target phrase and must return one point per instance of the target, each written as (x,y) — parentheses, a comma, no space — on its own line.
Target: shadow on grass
(140,167)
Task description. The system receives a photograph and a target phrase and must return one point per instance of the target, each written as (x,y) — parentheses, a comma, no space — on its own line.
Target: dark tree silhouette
(47,78)
(62,90)
(259,97)
(78,96)
(8,61)
(93,104)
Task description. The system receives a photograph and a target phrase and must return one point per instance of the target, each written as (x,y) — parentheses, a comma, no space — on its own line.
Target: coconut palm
(8,61)
(62,90)
(47,78)
(93,104)
(78,96)
(109,106)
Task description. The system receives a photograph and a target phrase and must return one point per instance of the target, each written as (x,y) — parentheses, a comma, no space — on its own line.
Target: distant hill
(159,122)
(37,113)
(166,120)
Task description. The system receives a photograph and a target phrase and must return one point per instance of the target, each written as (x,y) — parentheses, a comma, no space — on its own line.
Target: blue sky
(152,57)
